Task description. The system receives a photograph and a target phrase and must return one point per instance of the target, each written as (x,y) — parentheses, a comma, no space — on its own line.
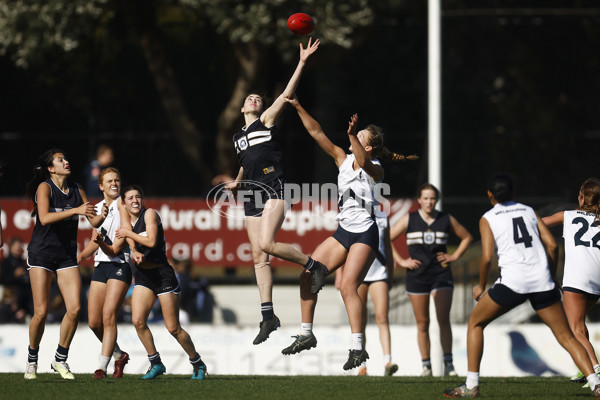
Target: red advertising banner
(193,230)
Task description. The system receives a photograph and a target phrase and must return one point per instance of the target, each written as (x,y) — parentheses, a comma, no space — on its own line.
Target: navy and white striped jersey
(60,238)
(259,152)
(425,241)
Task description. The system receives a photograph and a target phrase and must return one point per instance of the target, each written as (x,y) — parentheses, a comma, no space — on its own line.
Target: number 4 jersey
(582,251)
(521,255)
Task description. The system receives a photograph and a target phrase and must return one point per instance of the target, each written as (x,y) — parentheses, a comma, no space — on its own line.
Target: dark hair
(379,150)
(426,186)
(40,174)
(129,188)
(501,186)
(590,190)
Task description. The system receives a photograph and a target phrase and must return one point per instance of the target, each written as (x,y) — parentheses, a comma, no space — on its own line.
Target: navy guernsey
(58,239)
(259,152)
(156,254)
(425,241)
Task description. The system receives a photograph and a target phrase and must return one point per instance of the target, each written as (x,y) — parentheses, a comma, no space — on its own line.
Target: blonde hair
(379,150)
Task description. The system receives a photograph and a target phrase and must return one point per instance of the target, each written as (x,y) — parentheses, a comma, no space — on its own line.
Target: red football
(301,23)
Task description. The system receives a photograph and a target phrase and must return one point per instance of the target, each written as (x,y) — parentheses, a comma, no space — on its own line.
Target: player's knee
(109,320)
(174,330)
(40,316)
(73,312)
(381,319)
(423,324)
(95,325)
(348,291)
(139,323)
(266,246)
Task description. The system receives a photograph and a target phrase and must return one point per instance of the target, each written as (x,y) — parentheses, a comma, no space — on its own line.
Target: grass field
(50,386)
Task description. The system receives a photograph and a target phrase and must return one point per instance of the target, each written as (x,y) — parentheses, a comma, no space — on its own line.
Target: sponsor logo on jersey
(268,170)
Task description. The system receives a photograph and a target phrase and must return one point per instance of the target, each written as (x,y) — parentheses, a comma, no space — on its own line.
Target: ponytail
(40,174)
(380,151)
(590,191)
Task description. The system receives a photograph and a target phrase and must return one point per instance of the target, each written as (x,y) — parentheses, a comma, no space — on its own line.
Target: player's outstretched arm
(315,130)
(555,219)
(270,115)
(375,171)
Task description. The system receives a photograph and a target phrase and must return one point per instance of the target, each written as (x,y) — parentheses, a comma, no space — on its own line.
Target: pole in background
(434,150)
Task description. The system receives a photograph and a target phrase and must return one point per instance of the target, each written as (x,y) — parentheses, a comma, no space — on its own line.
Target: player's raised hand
(310,48)
(352,125)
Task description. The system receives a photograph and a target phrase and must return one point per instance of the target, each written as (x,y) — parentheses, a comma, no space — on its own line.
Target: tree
(29,29)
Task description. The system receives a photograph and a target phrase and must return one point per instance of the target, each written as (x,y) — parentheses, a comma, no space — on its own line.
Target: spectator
(104,159)
(10,313)
(195,300)
(13,274)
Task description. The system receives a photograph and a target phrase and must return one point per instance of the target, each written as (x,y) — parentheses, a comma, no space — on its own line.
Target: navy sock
(310,264)
(155,359)
(427,363)
(266,309)
(32,355)
(61,354)
(448,358)
(196,359)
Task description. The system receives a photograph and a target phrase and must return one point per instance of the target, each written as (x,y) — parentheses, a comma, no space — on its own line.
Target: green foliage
(28,27)
(49,386)
(31,27)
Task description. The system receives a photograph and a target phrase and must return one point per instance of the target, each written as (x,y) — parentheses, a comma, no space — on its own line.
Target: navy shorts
(425,284)
(160,280)
(369,237)
(508,298)
(255,195)
(112,270)
(588,296)
(51,263)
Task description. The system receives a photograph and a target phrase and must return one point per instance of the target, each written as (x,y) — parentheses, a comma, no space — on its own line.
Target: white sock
(387,358)
(117,353)
(306,328)
(593,380)
(357,339)
(596,368)
(472,380)
(103,362)
(363,364)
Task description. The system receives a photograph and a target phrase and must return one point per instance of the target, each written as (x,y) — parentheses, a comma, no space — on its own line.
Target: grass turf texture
(180,387)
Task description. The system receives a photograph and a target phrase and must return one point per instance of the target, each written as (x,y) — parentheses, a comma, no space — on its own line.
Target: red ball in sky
(301,23)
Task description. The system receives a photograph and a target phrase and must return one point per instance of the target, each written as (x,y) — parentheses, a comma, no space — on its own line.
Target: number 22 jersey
(521,255)
(582,251)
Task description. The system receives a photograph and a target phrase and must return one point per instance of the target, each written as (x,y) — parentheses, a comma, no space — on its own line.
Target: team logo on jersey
(268,170)
(429,237)
(243,143)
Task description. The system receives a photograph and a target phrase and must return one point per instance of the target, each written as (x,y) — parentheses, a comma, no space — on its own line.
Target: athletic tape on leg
(264,275)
